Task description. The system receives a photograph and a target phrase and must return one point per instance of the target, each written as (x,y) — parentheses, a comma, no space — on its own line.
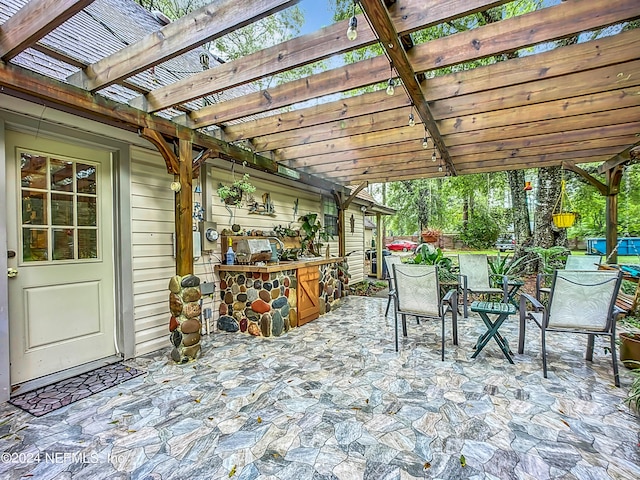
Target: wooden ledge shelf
(279,267)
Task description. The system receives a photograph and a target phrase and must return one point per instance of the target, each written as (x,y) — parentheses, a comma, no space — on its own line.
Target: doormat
(65,392)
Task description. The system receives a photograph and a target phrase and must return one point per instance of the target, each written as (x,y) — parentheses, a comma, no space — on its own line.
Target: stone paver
(333,400)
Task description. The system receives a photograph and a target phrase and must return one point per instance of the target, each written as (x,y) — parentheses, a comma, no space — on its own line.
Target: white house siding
(152,220)
(152,227)
(354,242)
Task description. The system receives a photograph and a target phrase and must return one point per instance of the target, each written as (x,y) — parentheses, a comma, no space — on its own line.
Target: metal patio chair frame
(580,301)
(417,293)
(475,278)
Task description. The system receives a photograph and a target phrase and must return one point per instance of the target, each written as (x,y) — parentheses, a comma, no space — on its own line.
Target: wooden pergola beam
(570,17)
(546,65)
(170,158)
(564,108)
(339,110)
(544,126)
(293,53)
(619,159)
(547,24)
(203,25)
(33,21)
(381,22)
(23,83)
(300,51)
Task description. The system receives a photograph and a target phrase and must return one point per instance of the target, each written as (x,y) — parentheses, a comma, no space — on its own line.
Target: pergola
(567,105)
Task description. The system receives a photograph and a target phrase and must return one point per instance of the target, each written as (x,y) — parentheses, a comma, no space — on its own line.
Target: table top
(493,307)
(511,281)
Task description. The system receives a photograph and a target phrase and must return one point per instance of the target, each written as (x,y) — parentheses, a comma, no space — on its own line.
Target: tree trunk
(546,235)
(521,219)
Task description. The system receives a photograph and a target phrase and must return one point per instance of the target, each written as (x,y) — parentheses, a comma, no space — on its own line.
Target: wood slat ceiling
(577,103)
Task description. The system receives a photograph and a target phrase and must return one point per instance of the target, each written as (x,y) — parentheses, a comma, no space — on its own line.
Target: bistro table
(502,312)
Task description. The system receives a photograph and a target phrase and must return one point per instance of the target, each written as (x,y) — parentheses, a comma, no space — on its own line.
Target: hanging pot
(564,219)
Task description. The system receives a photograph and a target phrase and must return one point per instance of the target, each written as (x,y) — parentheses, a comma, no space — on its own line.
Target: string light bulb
(433,156)
(352,31)
(412,121)
(440,167)
(425,141)
(390,83)
(390,87)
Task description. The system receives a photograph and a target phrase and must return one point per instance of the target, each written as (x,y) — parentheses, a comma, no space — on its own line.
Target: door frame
(120,167)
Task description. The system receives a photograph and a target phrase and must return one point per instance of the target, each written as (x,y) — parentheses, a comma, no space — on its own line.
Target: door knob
(12,272)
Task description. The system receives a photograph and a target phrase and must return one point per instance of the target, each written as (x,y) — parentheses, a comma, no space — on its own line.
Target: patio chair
(417,293)
(474,279)
(390,260)
(580,302)
(574,262)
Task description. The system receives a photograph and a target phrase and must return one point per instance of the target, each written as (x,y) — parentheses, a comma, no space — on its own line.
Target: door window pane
(86,178)
(61,209)
(87,211)
(34,245)
(33,171)
(34,208)
(63,244)
(61,175)
(88,243)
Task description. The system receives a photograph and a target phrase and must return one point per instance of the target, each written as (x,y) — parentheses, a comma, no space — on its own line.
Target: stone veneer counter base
(262,300)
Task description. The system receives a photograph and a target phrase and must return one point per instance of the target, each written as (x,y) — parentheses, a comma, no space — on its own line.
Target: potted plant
(430,235)
(427,254)
(630,343)
(232,194)
(314,233)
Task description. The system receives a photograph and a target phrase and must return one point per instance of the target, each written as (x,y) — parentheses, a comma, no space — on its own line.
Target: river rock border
(185,326)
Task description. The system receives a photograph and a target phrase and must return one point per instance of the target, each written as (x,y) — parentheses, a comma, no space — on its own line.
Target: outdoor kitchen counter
(279,267)
(270,300)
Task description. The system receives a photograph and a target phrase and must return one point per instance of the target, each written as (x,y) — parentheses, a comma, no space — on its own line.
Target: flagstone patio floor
(333,400)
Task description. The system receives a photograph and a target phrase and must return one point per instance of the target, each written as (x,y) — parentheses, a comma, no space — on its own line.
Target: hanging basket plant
(563,217)
(232,194)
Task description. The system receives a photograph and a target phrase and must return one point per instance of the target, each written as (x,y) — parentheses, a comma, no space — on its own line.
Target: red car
(402,245)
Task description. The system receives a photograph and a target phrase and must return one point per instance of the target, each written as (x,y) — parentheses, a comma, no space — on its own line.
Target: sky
(317,14)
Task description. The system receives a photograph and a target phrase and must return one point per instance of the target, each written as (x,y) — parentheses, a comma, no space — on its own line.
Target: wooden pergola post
(610,191)
(183,209)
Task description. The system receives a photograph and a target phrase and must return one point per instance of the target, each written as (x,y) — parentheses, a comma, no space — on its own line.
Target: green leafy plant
(427,254)
(552,258)
(232,194)
(633,398)
(504,266)
(283,231)
(314,234)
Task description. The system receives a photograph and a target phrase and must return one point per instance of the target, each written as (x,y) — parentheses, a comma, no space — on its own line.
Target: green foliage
(552,258)
(232,194)
(633,399)
(505,265)
(427,254)
(314,234)
(481,231)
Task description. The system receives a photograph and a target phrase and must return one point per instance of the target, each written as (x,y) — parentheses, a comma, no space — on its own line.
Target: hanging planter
(563,218)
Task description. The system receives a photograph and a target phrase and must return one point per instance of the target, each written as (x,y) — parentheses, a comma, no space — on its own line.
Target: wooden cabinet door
(308,302)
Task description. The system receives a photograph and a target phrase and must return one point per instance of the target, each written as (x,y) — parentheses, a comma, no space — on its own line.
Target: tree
(264,33)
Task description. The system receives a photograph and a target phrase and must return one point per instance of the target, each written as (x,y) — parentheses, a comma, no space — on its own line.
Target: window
(330,211)
(59,208)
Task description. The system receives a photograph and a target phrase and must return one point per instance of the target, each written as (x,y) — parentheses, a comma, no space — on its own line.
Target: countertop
(278,267)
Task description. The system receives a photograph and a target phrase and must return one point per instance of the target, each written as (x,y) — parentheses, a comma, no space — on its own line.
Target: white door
(59,224)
